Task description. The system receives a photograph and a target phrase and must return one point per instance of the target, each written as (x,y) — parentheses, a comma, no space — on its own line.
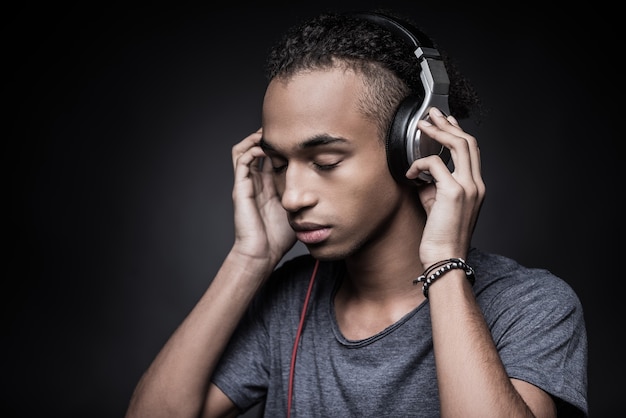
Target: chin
(329,253)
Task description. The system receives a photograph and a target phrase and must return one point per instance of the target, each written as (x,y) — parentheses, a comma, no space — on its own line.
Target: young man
(392,313)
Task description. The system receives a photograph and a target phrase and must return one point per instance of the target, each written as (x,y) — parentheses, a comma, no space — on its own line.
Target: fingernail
(436,111)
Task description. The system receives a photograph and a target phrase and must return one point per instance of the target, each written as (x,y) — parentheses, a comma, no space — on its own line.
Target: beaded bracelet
(430,275)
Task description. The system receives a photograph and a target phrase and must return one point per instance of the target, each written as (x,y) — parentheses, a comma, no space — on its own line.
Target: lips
(309,233)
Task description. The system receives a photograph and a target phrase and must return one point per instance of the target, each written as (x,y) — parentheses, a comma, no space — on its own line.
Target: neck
(378,289)
(386,266)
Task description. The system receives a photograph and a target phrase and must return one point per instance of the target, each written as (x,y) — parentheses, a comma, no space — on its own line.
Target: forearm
(472,380)
(177,381)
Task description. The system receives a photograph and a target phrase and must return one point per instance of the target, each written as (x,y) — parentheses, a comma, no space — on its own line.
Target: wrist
(432,254)
(255,264)
(434,271)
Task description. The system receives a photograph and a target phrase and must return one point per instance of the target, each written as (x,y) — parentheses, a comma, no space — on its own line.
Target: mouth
(309,233)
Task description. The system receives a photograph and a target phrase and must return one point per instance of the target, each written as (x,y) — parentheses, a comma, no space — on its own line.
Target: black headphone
(405,143)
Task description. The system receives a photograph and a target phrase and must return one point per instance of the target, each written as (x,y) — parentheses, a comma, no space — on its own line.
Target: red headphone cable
(298,334)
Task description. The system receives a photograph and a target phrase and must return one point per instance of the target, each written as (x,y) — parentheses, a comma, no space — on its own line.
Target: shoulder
(295,265)
(537,323)
(290,280)
(503,284)
(293,272)
(498,272)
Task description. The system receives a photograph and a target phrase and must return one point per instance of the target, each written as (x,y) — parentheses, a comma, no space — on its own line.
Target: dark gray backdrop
(117,162)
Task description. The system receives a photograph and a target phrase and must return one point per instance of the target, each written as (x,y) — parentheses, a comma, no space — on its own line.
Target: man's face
(330,164)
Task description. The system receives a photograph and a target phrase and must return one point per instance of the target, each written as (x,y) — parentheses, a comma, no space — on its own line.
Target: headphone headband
(411,36)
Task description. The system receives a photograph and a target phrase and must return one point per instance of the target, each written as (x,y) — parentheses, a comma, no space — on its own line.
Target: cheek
(375,175)
(373,189)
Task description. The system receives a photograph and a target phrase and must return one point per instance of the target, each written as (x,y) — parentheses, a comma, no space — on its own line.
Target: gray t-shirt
(535,318)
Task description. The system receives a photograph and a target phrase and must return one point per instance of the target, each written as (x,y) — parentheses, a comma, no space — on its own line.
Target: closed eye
(323,152)
(325,167)
(279,169)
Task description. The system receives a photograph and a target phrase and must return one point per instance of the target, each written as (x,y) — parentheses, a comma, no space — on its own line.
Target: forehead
(314,103)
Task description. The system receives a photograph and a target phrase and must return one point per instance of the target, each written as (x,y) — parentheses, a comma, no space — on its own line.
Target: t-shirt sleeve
(265,331)
(538,327)
(240,373)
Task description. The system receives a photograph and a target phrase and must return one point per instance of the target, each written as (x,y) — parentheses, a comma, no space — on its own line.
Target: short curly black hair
(387,62)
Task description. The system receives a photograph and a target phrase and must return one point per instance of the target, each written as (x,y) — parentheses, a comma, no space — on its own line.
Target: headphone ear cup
(396,143)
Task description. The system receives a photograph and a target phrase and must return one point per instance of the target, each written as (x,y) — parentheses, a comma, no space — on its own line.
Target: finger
(463,146)
(268,172)
(432,164)
(453,121)
(243,146)
(447,123)
(245,163)
(453,138)
(470,175)
(474,150)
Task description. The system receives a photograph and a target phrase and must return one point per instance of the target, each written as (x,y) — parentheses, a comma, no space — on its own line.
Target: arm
(177,383)
(470,374)
(471,377)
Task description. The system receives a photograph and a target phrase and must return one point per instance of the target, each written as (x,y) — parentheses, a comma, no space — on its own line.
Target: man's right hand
(261,226)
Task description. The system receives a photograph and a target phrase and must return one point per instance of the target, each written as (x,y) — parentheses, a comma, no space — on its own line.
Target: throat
(359,318)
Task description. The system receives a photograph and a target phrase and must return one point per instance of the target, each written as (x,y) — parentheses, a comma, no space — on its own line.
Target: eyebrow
(315,141)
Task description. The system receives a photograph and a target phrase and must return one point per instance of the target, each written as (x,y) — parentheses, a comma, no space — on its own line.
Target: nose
(298,192)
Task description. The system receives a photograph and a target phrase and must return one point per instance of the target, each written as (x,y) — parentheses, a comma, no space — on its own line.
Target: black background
(117,162)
